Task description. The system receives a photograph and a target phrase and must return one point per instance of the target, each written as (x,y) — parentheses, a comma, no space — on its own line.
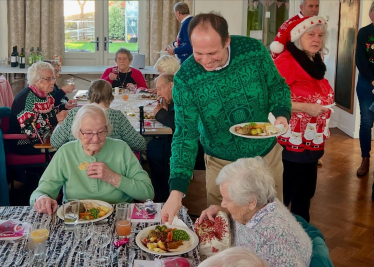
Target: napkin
(13,229)
(156,218)
(176,222)
(137,214)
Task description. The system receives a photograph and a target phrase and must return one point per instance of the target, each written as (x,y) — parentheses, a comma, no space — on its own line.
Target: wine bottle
(14,57)
(22,59)
(41,58)
(31,56)
(37,55)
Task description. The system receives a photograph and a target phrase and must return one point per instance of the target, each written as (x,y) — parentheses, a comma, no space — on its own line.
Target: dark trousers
(158,155)
(365,99)
(299,186)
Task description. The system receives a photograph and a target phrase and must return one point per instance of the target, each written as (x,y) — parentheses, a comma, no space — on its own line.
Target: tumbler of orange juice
(123,220)
(125,97)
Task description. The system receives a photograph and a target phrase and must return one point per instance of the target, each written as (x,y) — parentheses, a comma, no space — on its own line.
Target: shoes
(364,168)
(320,162)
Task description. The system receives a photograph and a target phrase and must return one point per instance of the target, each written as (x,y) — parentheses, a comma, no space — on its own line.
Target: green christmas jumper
(207,104)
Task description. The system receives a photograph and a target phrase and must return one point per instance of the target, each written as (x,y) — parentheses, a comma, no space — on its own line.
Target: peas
(179,235)
(95,213)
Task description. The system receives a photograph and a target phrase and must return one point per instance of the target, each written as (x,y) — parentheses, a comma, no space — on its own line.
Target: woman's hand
(46,205)
(68,88)
(71,104)
(112,76)
(61,115)
(210,213)
(99,170)
(315,110)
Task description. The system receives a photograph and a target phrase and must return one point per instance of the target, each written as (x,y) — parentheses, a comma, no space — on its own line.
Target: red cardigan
(136,75)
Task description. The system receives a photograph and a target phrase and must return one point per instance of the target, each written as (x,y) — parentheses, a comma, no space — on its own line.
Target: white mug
(116,91)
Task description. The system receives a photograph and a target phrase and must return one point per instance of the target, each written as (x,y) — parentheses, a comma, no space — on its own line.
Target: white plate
(139,96)
(99,202)
(280,128)
(144,233)
(81,93)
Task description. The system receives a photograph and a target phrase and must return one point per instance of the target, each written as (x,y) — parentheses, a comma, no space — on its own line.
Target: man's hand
(157,108)
(46,205)
(68,88)
(170,50)
(172,206)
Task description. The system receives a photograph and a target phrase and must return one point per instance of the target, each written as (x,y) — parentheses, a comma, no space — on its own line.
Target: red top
(136,75)
(306,132)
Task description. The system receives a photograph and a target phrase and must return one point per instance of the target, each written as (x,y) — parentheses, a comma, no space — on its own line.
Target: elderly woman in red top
(303,68)
(123,75)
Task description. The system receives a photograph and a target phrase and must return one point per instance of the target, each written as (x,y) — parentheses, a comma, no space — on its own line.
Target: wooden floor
(341,208)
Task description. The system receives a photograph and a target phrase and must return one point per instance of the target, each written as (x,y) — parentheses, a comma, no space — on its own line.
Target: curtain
(35,23)
(162,27)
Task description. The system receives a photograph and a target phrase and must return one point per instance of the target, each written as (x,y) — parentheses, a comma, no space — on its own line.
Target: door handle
(97,43)
(105,42)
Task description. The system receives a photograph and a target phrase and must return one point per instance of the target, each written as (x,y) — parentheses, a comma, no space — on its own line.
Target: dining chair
(12,160)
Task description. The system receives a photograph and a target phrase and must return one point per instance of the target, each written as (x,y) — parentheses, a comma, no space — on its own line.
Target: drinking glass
(123,220)
(125,98)
(37,245)
(115,71)
(103,240)
(83,232)
(70,81)
(70,212)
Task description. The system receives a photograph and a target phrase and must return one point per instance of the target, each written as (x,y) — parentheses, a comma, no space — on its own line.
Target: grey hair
(182,8)
(123,51)
(167,77)
(93,110)
(302,2)
(324,49)
(33,72)
(168,64)
(234,257)
(371,8)
(250,179)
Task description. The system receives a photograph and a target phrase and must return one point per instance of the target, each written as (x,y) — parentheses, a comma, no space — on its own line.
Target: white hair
(167,64)
(234,257)
(323,28)
(371,8)
(303,2)
(93,110)
(250,179)
(33,72)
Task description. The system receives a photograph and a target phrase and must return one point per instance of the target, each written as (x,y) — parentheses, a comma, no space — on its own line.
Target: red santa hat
(313,120)
(297,128)
(293,31)
(320,128)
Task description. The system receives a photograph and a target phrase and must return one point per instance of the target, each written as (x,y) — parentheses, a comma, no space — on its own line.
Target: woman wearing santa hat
(303,68)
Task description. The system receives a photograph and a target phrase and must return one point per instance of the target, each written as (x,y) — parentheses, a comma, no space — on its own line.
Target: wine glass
(70,81)
(115,71)
(83,232)
(103,239)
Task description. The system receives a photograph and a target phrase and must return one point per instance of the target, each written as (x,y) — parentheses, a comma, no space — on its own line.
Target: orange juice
(123,228)
(39,235)
(125,97)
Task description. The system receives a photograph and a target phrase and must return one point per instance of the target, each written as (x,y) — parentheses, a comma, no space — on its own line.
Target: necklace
(124,80)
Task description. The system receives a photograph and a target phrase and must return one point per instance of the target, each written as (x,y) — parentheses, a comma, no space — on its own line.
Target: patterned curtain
(36,23)
(162,27)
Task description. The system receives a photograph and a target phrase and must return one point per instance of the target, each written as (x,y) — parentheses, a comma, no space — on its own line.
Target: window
(95,30)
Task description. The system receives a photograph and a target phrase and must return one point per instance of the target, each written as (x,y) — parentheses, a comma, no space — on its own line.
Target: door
(94,30)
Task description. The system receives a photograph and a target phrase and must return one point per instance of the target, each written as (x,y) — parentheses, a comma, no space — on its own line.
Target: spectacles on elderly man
(100,135)
(49,79)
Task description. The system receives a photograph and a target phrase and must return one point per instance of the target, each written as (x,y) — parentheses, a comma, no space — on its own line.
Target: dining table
(63,248)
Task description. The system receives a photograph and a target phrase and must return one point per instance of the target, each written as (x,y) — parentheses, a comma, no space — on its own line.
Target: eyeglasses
(100,135)
(49,79)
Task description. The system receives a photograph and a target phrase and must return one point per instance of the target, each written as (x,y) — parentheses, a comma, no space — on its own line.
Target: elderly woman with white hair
(92,167)
(261,222)
(167,64)
(34,113)
(311,94)
(234,257)
(122,75)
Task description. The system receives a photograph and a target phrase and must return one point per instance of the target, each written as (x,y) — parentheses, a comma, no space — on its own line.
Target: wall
(3,29)
(234,11)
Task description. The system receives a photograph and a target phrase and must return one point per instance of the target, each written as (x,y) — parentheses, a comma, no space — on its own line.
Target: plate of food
(90,211)
(147,96)
(165,241)
(149,116)
(257,130)
(81,95)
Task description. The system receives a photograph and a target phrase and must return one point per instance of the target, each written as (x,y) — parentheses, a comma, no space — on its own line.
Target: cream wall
(234,11)
(3,29)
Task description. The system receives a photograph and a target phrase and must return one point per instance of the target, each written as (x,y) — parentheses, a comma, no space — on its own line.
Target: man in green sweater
(229,80)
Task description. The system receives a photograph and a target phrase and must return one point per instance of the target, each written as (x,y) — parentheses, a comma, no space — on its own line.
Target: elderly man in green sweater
(229,80)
